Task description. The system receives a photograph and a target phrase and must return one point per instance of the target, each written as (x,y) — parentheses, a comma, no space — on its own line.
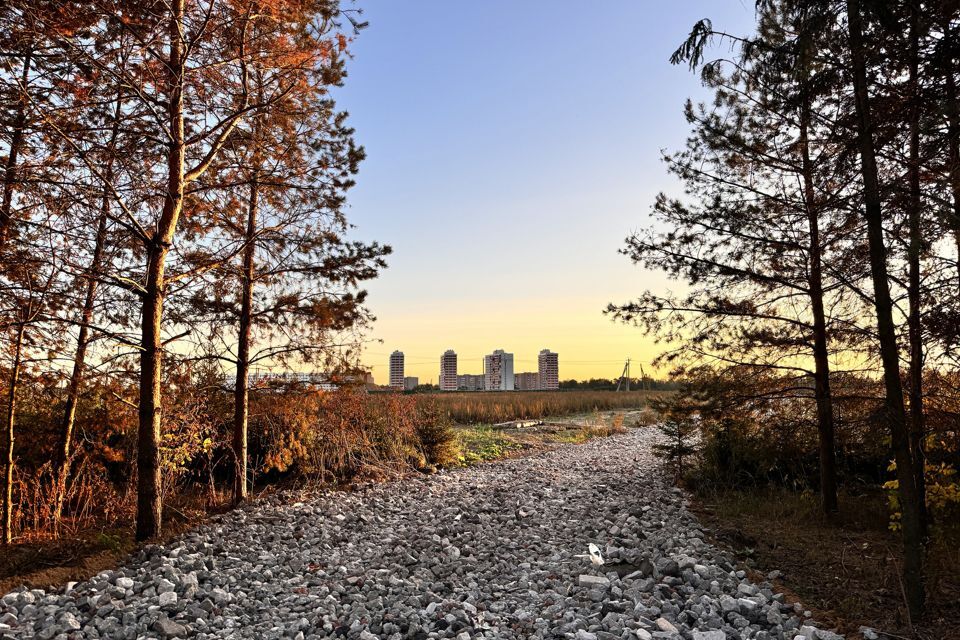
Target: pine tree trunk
(86,316)
(822,394)
(895,414)
(149,497)
(914,322)
(11,434)
(13,153)
(241,391)
(953,137)
(70,408)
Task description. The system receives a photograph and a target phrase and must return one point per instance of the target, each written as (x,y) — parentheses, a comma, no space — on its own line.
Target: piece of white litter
(595,556)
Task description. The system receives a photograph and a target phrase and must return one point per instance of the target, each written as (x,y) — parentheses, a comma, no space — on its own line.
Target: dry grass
(502,406)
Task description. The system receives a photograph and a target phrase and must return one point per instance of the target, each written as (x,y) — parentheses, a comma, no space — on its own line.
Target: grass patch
(483,443)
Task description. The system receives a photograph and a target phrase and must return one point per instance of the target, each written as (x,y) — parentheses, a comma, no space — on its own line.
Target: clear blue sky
(512,145)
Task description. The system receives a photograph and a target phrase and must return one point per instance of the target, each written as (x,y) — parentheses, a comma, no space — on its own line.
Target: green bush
(438,439)
(678,448)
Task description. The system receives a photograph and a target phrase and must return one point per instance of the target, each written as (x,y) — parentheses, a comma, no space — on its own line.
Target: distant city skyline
(497,372)
(427,367)
(506,174)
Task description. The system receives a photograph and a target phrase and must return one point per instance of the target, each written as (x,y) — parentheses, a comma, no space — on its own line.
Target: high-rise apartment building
(396,370)
(527,381)
(549,367)
(498,371)
(448,371)
(471,382)
(410,383)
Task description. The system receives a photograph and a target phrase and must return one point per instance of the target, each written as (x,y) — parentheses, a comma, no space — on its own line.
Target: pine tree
(678,445)
(759,233)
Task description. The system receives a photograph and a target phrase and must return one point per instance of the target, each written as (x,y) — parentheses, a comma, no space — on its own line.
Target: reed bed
(490,407)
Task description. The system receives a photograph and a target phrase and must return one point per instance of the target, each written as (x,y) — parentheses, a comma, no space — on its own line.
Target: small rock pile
(494,551)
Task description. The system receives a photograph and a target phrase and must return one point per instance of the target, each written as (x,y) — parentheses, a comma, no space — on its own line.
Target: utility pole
(625,376)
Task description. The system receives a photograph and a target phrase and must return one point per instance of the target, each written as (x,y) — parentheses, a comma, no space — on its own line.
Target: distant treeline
(600,384)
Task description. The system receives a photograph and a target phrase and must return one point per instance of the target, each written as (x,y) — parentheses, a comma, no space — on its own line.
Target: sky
(511,148)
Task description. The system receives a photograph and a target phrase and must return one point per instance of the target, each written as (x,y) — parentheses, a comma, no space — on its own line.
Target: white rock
(665,625)
(728,604)
(807,632)
(747,606)
(587,580)
(220,596)
(70,622)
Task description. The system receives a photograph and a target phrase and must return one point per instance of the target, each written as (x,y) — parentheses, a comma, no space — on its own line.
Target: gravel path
(493,551)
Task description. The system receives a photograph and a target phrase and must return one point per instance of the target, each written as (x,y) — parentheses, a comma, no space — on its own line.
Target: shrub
(678,446)
(336,436)
(646,418)
(438,439)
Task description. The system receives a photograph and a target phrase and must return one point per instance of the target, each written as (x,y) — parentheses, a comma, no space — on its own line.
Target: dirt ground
(846,570)
(54,562)
(48,562)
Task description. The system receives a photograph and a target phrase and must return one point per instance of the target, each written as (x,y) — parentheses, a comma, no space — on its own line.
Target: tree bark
(241,390)
(953,136)
(895,414)
(16,145)
(822,393)
(11,434)
(914,320)
(149,496)
(83,339)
